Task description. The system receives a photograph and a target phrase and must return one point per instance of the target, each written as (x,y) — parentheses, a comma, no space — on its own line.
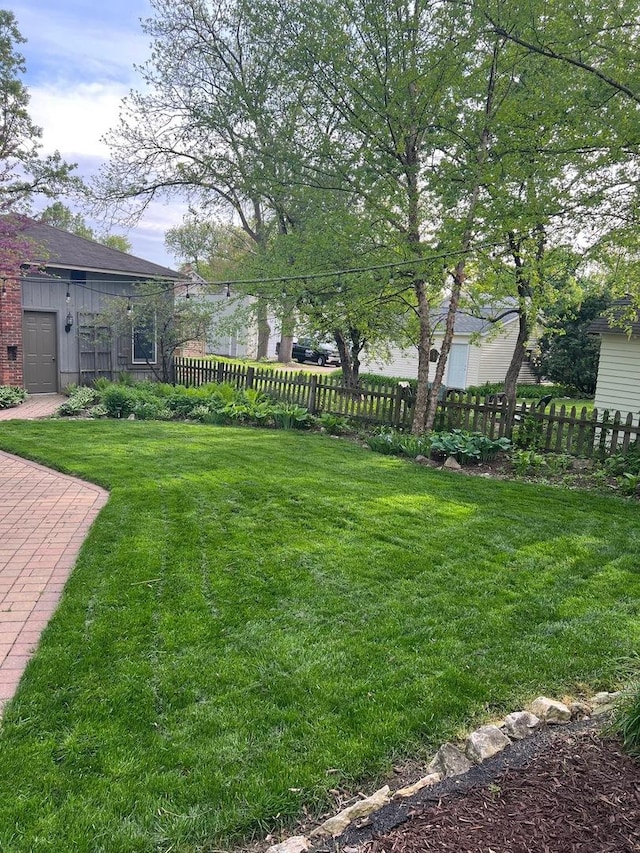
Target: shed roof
(467,323)
(623,311)
(58,249)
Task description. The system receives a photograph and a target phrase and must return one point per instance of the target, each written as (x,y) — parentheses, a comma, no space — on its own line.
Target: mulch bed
(578,793)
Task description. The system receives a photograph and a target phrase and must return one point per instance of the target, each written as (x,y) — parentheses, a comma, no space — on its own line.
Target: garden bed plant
(11,395)
(210,404)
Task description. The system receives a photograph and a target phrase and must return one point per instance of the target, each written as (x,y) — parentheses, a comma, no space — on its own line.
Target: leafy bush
(629,483)
(468,447)
(97,411)
(151,410)
(528,434)
(523,391)
(626,721)
(333,424)
(79,401)
(527,461)
(395,443)
(290,416)
(119,400)
(486,390)
(11,395)
(624,463)
(181,401)
(536,392)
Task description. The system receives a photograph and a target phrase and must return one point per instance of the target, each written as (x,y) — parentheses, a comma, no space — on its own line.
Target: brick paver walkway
(35,406)
(44,518)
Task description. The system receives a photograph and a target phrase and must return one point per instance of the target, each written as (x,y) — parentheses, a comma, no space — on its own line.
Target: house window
(144,343)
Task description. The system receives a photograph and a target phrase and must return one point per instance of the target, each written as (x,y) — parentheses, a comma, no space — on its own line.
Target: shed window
(144,344)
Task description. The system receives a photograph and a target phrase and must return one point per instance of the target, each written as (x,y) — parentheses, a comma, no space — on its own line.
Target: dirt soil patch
(578,792)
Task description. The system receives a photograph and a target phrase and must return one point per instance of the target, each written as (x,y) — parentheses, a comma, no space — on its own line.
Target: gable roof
(58,249)
(620,309)
(470,324)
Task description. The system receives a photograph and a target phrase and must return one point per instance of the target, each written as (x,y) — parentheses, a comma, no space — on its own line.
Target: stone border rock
(452,762)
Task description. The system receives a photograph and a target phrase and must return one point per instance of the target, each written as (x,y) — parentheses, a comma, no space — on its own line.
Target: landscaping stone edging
(488,749)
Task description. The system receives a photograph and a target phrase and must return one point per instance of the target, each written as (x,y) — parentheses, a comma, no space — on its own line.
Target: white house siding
(401,364)
(488,359)
(618,386)
(496,356)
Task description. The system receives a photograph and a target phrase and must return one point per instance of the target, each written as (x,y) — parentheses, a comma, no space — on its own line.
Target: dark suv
(321,354)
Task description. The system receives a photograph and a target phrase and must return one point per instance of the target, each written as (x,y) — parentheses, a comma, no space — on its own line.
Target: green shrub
(624,463)
(147,409)
(11,395)
(626,721)
(528,433)
(181,401)
(291,416)
(119,400)
(468,447)
(79,401)
(536,392)
(100,384)
(333,424)
(486,390)
(395,443)
(629,483)
(97,411)
(524,391)
(527,461)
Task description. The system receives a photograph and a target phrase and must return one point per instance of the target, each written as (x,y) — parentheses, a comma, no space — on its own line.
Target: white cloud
(74,120)
(65,44)
(80,58)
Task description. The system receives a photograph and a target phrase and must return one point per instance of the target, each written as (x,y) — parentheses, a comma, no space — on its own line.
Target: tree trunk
(350,350)
(524,290)
(459,273)
(424,348)
(350,366)
(286,336)
(511,379)
(458,280)
(264,329)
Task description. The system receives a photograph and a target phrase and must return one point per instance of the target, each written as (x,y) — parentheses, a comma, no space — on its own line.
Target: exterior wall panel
(618,386)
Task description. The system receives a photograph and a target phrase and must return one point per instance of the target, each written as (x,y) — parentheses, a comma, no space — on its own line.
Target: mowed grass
(258,617)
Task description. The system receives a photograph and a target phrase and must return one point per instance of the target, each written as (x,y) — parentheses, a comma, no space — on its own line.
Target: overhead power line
(282,279)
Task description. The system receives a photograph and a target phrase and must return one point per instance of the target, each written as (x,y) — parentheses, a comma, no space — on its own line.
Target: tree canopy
(61,216)
(447,138)
(24,172)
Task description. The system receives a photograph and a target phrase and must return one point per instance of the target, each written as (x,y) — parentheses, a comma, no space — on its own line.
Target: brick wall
(11,333)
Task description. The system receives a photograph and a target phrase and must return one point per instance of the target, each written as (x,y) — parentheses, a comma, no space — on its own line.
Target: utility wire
(336,273)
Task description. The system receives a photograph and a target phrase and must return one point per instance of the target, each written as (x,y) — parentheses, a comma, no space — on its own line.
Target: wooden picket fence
(553,429)
(388,403)
(373,403)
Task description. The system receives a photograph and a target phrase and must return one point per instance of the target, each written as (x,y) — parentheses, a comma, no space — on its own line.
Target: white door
(457,373)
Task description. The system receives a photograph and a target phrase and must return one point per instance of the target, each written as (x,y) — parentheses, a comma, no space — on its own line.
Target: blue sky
(80,57)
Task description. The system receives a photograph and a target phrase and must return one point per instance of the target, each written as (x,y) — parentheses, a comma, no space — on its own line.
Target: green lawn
(260,616)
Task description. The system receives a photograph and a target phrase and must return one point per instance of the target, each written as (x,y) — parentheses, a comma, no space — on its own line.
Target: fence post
(396,406)
(250,374)
(313,389)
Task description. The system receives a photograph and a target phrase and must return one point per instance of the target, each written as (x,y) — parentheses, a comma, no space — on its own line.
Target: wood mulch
(579,792)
